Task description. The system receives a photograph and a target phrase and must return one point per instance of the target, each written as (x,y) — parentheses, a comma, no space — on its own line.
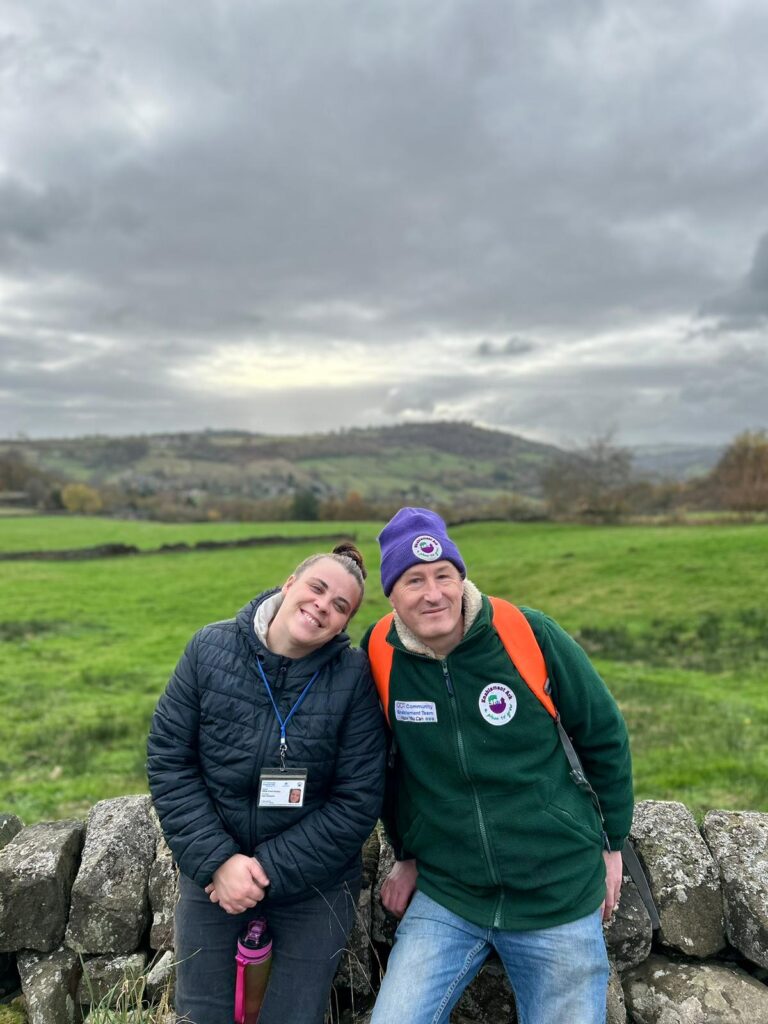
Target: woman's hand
(399,886)
(238,884)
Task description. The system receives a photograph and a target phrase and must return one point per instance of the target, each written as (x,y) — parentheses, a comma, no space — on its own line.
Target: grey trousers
(308,939)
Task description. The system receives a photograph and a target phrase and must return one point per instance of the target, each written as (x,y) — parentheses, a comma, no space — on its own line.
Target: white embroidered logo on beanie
(427,548)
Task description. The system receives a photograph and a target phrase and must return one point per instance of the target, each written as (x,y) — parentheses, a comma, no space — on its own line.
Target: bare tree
(591,482)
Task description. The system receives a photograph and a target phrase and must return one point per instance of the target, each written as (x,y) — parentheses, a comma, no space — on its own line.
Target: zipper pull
(447,677)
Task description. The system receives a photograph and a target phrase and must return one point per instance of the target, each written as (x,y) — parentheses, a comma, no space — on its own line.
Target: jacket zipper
(478,809)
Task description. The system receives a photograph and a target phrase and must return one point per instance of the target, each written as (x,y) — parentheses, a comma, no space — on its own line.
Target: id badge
(282,789)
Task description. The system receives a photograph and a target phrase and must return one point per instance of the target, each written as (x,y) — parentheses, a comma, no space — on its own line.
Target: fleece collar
(472,602)
(264,614)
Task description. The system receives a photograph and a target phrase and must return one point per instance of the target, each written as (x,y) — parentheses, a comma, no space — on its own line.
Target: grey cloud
(691,401)
(95,383)
(15,349)
(310,174)
(747,305)
(694,402)
(425,395)
(320,209)
(32,217)
(291,410)
(511,347)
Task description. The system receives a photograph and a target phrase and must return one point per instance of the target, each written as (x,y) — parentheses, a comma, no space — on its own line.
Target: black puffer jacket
(215,728)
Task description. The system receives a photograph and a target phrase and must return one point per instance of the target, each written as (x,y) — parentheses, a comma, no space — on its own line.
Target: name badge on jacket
(279,788)
(415,711)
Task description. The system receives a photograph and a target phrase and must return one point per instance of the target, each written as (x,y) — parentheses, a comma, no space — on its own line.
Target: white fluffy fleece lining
(264,614)
(471,604)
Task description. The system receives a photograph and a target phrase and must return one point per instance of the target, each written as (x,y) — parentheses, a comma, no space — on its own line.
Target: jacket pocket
(574,860)
(410,837)
(581,818)
(445,839)
(520,834)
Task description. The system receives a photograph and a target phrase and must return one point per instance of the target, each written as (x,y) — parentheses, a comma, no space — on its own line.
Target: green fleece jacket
(484,801)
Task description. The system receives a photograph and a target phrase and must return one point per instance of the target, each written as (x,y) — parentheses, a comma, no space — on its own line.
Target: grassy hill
(430,462)
(675,618)
(423,463)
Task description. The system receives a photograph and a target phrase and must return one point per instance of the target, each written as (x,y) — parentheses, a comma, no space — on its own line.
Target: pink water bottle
(254,961)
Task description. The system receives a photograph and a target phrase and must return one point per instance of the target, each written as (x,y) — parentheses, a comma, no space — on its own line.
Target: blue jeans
(558,974)
(308,940)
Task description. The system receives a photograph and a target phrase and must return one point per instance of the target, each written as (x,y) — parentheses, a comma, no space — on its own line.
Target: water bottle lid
(256,934)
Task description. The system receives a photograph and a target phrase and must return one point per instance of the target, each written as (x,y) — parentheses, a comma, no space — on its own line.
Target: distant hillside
(675,461)
(427,461)
(419,463)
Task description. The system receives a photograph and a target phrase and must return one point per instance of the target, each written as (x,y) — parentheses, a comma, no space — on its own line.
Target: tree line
(600,484)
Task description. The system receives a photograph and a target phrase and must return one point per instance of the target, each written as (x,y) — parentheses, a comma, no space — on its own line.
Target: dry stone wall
(86,908)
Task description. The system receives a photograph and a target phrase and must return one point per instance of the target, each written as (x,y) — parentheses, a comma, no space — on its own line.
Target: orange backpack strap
(523,649)
(515,634)
(380,655)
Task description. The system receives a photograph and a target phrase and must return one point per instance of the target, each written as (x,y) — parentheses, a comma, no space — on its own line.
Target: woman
(270,702)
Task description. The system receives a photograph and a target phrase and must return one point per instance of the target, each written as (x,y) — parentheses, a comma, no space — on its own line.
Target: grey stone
(663,991)
(628,935)
(37,869)
(110,908)
(488,998)
(739,844)
(163,897)
(161,977)
(10,825)
(106,979)
(371,851)
(354,971)
(616,1010)
(383,924)
(684,879)
(49,982)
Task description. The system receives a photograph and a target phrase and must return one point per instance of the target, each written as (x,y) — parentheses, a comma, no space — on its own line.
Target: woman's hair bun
(350,550)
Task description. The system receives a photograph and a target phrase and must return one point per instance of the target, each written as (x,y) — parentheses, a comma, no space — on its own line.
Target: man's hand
(613,873)
(399,886)
(238,884)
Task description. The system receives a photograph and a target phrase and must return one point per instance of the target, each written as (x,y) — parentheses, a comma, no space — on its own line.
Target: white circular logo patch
(427,548)
(497,704)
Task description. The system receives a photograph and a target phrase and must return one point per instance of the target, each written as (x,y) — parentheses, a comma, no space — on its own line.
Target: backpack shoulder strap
(514,632)
(380,655)
(523,649)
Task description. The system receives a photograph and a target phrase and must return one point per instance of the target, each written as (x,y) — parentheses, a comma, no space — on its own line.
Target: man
(497,846)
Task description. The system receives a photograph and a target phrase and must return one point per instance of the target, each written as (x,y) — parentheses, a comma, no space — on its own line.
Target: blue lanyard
(289,716)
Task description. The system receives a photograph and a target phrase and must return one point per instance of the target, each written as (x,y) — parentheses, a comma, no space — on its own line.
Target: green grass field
(676,619)
(34,533)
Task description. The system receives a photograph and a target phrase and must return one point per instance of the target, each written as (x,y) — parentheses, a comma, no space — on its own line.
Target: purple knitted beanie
(414,535)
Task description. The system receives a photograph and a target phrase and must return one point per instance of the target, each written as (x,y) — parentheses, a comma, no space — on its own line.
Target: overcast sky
(548,216)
